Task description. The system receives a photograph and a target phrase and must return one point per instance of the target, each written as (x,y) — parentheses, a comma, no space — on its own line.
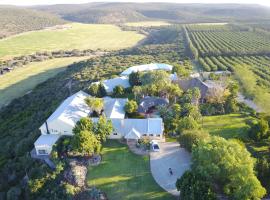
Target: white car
(155,146)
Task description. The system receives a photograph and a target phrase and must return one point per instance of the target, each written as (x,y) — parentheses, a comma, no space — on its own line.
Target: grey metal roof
(148,102)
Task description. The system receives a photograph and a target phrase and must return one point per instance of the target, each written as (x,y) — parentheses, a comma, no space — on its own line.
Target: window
(151,135)
(144,135)
(158,135)
(42,152)
(114,133)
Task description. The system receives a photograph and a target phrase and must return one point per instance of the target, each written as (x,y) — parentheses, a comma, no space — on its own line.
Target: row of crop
(230,43)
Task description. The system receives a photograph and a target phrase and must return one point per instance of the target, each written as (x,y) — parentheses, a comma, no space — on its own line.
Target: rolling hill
(14,20)
(180,13)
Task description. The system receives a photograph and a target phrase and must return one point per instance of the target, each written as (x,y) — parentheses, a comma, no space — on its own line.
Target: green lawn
(21,80)
(124,175)
(80,36)
(147,23)
(227,126)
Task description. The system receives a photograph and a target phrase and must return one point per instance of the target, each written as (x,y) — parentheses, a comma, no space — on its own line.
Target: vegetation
(136,12)
(131,106)
(195,187)
(14,20)
(229,164)
(217,41)
(107,37)
(122,172)
(22,80)
(21,119)
(95,104)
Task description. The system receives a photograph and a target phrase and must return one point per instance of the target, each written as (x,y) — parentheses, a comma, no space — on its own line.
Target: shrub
(259,130)
(190,138)
(194,187)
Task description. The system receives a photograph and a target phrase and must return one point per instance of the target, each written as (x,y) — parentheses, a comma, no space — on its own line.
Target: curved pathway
(170,156)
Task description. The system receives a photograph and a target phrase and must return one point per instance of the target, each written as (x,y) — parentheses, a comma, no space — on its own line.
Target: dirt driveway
(170,156)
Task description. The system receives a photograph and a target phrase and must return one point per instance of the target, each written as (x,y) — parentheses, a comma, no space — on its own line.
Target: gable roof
(72,109)
(110,84)
(148,102)
(192,83)
(133,134)
(114,108)
(47,140)
(143,126)
(147,67)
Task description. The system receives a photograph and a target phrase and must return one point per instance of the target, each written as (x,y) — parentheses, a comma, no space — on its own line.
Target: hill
(14,20)
(180,13)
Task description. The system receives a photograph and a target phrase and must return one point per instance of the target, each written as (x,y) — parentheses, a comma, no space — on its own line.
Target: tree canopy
(96,104)
(131,106)
(230,164)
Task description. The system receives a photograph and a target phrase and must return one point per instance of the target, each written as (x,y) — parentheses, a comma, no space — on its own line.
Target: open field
(147,23)
(227,126)
(24,79)
(124,175)
(79,36)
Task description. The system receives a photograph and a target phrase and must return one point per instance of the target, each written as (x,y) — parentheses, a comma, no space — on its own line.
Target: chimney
(47,128)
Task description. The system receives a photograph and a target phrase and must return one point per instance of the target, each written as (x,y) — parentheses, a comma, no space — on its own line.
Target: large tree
(131,106)
(96,104)
(103,128)
(86,142)
(194,187)
(228,164)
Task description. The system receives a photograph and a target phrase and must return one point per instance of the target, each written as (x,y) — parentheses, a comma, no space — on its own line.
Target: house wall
(48,149)
(57,127)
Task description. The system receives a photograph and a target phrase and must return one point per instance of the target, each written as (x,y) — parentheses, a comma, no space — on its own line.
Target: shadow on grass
(24,86)
(124,175)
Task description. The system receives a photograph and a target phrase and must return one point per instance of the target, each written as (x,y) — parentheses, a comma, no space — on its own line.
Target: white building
(65,117)
(148,67)
(110,84)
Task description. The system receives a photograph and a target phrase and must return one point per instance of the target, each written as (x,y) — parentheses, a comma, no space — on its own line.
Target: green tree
(190,138)
(103,128)
(131,106)
(187,123)
(134,79)
(194,187)
(259,130)
(230,164)
(84,123)
(85,142)
(118,91)
(94,89)
(180,71)
(96,104)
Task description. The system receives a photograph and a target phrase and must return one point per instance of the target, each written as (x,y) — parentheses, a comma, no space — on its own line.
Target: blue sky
(43,2)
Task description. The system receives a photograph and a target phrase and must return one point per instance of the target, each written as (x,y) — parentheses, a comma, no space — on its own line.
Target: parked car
(155,146)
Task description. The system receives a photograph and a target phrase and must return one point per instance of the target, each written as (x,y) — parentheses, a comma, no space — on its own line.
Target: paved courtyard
(170,156)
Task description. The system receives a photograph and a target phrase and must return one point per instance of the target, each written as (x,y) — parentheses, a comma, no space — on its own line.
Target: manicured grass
(21,80)
(227,126)
(80,36)
(124,175)
(147,23)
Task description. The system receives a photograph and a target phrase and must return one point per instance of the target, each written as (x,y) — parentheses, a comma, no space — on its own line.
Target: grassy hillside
(79,36)
(182,13)
(15,20)
(24,79)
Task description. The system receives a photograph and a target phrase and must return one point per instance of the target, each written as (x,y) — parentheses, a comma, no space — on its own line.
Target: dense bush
(229,164)
(259,130)
(194,187)
(190,138)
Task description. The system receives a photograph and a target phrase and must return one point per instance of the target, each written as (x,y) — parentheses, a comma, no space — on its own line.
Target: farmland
(24,79)
(221,40)
(78,36)
(236,48)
